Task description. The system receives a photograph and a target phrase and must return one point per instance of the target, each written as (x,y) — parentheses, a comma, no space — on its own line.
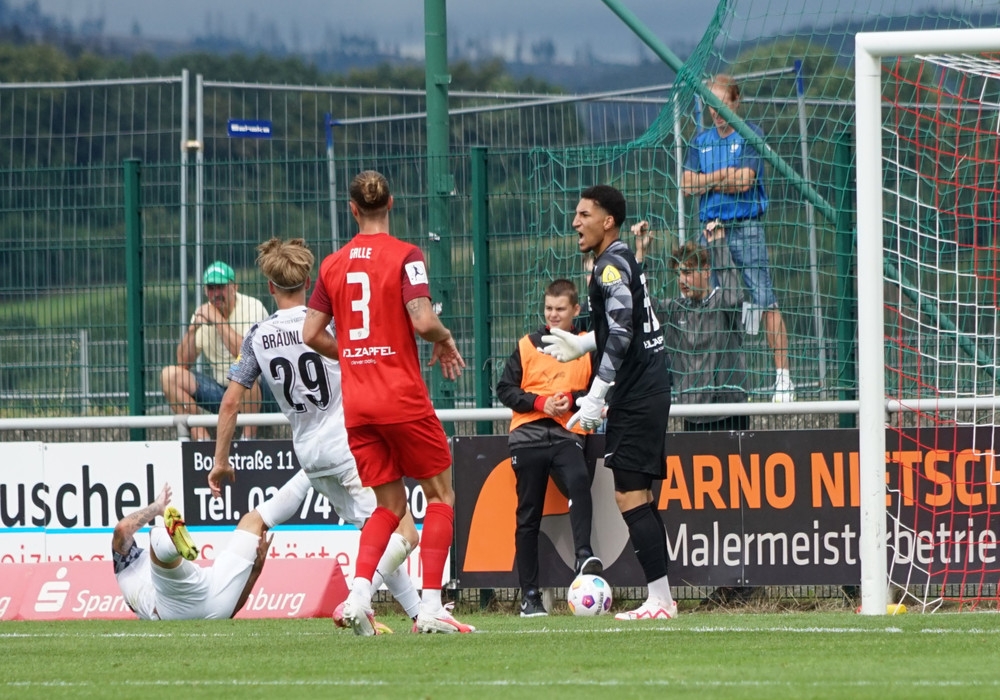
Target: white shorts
(352,501)
(192,592)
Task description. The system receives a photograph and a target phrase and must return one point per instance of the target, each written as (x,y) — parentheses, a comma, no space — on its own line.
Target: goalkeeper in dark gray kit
(632,380)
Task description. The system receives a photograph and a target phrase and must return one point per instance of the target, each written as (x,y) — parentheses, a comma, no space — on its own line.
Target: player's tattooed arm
(425,321)
(429,327)
(121,540)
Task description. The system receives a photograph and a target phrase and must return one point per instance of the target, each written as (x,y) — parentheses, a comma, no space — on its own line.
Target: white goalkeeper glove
(591,411)
(566,346)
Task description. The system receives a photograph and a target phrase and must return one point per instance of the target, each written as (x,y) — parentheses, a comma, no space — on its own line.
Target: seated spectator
(216,332)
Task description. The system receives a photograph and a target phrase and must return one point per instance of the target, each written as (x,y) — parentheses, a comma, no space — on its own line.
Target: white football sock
(286,502)
(660,590)
(362,588)
(431,599)
(401,586)
(398,580)
(161,544)
(396,552)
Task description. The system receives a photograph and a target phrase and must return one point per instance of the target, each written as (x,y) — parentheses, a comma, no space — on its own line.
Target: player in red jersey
(375,289)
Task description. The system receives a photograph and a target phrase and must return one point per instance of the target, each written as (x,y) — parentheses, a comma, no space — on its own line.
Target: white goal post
(870,50)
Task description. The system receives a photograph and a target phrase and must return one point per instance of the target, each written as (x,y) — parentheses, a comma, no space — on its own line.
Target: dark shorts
(208,394)
(636,436)
(632,481)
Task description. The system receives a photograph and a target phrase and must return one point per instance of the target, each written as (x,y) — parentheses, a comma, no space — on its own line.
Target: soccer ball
(588,596)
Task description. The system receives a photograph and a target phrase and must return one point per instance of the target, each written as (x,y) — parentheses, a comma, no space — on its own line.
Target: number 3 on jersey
(360,305)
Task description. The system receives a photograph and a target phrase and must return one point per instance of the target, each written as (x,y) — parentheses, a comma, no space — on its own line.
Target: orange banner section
(491,533)
(80,590)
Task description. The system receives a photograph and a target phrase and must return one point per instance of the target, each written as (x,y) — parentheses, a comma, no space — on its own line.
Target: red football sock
(374,539)
(435,541)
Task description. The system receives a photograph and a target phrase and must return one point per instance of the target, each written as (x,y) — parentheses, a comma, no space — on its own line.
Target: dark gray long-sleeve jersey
(630,349)
(705,339)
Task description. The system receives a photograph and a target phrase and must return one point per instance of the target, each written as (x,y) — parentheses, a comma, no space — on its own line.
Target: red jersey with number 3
(365,286)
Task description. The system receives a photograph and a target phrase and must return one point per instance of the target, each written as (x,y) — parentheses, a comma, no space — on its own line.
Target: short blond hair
(286,263)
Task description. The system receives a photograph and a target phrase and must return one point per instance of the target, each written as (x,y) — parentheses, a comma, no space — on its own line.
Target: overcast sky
(574,24)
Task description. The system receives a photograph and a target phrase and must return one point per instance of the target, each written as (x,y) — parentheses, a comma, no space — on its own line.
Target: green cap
(219,273)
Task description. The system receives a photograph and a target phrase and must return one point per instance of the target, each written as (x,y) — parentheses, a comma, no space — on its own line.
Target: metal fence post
(133,294)
(331,170)
(846,296)
(480,282)
(800,93)
(440,182)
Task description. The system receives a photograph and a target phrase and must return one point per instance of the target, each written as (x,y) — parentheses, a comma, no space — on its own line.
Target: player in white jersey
(161,583)
(306,386)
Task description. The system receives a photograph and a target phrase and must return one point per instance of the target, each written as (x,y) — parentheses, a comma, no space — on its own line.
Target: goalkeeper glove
(591,411)
(566,346)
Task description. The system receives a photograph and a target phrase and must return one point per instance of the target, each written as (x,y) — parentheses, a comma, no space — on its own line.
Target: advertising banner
(60,501)
(59,504)
(753,508)
(485,520)
(81,590)
(262,467)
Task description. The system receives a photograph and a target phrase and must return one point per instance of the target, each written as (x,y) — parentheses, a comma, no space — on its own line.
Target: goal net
(928,126)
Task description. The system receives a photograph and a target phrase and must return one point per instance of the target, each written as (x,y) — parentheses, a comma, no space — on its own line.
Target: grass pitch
(699,655)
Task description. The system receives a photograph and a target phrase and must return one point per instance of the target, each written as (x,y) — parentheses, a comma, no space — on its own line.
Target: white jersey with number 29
(306,386)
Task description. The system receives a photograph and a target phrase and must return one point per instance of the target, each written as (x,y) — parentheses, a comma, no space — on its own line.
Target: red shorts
(384,453)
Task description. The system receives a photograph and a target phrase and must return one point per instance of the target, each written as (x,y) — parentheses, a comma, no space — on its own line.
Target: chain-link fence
(209,193)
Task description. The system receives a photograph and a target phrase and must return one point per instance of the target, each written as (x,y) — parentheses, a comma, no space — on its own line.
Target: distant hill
(348,52)
(842,33)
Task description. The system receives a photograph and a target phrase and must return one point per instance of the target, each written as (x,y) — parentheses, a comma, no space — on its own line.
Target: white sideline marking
(627,628)
(506,682)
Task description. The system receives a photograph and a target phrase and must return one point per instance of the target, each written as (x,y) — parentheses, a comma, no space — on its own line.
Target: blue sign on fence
(249,128)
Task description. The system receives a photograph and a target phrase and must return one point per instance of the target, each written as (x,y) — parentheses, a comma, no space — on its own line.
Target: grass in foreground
(699,655)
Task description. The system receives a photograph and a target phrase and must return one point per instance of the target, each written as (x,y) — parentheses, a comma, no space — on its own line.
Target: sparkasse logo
(52,594)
